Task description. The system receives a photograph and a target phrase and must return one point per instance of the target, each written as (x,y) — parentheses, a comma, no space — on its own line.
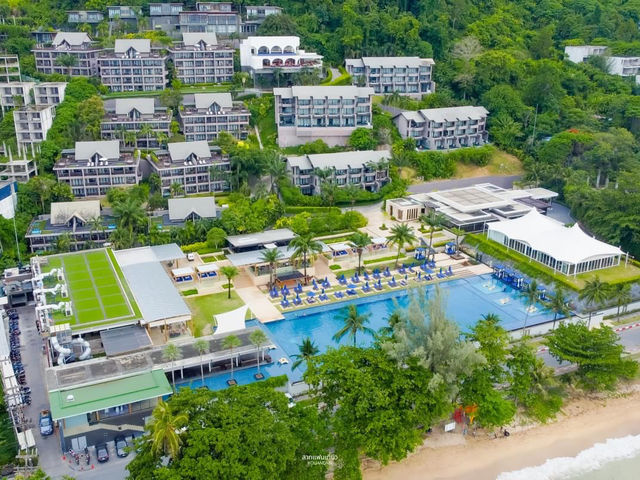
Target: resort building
(18,170)
(165,17)
(444,128)
(124,13)
(32,123)
(49,93)
(622,66)
(8,198)
(255,15)
(567,250)
(42,37)
(16,94)
(139,115)
(205,115)
(194,165)
(216,17)
(182,210)
(92,168)
(9,69)
(387,75)
(580,53)
(133,66)
(280,237)
(199,59)
(263,55)
(367,169)
(91,17)
(331,114)
(471,208)
(82,221)
(74,44)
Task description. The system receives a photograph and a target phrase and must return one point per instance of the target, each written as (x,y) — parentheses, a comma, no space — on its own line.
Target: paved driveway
(499,180)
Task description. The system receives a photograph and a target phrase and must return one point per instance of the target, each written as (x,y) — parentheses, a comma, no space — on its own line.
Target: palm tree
(559,304)
(172,353)
(458,232)
(231,342)
(353,323)
(394,319)
(130,214)
(400,235)
(275,167)
(621,292)
(434,220)
(130,138)
(306,350)
(161,137)
(202,347)
(595,293)
(95,225)
(164,427)
(176,189)
(306,247)
(531,296)
(68,61)
(229,271)
(271,256)
(360,241)
(145,131)
(258,338)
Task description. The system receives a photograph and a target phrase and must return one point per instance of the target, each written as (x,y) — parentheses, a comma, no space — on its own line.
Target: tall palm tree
(434,220)
(161,137)
(95,225)
(130,138)
(68,61)
(595,293)
(230,272)
(176,189)
(202,347)
(231,342)
(164,427)
(401,235)
(360,241)
(271,256)
(172,353)
(353,323)
(559,303)
(458,232)
(145,132)
(621,293)
(258,338)
(275,167)
(392,321)
(305,247)
(306,350)
(531,296)
(130,214)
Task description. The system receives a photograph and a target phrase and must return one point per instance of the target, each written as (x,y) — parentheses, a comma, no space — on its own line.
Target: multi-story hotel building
(368,170)
(123,13)
(255,15)
(444,128)
(331,114)
(49,93)
(92,168)
(9,69)
(32,123)
(217,17)
(387,75)
(199,59)
(75,44)
(205,115)
(132,66)
(262,55)
(15,94)
(131,115)
(195,165)
(91,17)
(165,17)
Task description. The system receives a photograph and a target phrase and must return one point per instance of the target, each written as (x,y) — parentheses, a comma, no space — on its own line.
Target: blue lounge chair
(297,301)
(338,295)
(351,292)
(366,275)
(284,303)
(366,288)
(323,297)
(449,271)
(387,273)
(342,280)
(378,285)
(428,277)
(274,293)
(392,283)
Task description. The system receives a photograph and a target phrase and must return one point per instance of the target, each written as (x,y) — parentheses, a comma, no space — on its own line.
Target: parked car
(102,452)
(46,423)
(122,447)
(191,257)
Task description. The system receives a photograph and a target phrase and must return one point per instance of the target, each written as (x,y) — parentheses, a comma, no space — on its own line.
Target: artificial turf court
(96,289)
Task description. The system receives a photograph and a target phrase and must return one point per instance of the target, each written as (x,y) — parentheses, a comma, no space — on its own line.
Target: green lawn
(186,89)
(203,308)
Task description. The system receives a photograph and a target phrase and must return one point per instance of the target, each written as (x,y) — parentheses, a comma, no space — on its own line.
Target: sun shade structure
(230,321)
(566,249)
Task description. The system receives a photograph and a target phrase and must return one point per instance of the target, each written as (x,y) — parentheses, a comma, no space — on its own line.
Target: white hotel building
(262,55)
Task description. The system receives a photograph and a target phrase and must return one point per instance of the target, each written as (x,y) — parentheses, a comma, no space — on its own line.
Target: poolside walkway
(259,304)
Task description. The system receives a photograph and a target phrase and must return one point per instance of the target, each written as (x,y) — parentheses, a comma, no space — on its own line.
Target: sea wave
(586,461)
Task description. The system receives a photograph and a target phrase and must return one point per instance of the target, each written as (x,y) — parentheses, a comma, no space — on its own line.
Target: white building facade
(386,75)
(260,55)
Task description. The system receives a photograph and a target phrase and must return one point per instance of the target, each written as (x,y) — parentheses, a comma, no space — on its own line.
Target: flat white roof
(181,272)
(261,238)
(207,267)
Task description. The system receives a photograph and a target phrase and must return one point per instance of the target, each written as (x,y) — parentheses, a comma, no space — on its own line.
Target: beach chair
(342,280)
(386,272)
(297,301)
(351,292)
(449,271)
(285,303)
(338,295)
(323,297)
(366,288)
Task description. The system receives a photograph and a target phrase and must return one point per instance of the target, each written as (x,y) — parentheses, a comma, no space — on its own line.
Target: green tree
(176,190)
(362,139)
(596,353)
(164,427)
(171,353)
(306,351)
(271,256)
(493,344)
(68,61)
(216,237)
(230,272)
(275,167)
(130,214)
(559,304)
(354,322)
(258,338)
(201,346)
(360,241)
(596,293)
(621,293)
(401,235)
(231,342)
(435,220)
(531,296)
(155,183)
(63,243)
(305,248)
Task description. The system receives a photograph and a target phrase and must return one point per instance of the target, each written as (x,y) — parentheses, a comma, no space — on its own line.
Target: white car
(191,257)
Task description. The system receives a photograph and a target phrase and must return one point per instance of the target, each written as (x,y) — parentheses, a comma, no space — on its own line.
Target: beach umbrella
(351,285)
(311,294)
(322,291)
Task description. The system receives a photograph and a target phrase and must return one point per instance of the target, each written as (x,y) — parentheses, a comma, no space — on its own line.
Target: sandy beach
(582,423)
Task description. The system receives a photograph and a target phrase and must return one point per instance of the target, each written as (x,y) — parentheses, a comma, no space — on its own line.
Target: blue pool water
(467,299)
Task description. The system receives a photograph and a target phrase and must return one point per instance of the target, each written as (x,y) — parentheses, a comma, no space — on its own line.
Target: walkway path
(259,304)
(499,180)
(258,135)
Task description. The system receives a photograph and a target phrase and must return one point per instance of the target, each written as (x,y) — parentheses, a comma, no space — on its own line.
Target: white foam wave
(586,461)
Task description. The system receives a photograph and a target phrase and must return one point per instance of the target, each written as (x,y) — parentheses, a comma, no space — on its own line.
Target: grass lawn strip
(71,293)
(123,285)
(98,298)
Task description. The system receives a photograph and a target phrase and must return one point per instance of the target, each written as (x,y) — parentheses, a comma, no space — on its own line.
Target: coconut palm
(202,347)
(531,295)
(161,137)
(559,303)
(360,241)
(401,235)
(145,132)
(595,293)
(164,428)
(258,338)
(230,272)
(434,220)
(176,189)
(95,225)
(130,138)
(172,353)
(353,323)
(67,60)
(275,167)
(305,247)
(621,293)
(130,214)
(458,232)
(306,350)
(231,342)
(271,256)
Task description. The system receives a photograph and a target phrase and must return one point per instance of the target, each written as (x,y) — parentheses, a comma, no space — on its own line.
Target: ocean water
(615,459)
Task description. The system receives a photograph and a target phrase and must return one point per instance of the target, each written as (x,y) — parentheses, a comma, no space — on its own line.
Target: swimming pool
(467,299)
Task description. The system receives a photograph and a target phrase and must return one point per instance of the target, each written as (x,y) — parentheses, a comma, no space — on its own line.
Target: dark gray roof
(117,341)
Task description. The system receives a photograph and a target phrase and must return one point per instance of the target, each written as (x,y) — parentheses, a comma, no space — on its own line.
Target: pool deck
(259,304)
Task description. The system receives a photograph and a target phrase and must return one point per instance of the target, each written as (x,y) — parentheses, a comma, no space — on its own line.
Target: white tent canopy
(231,321)
(207,267)
(565,244)
(182,272)
(379,241)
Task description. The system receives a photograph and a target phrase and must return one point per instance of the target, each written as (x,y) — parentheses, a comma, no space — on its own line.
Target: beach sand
(583,423)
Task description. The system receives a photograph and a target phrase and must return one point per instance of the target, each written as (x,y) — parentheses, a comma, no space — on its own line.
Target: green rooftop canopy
(74,401)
